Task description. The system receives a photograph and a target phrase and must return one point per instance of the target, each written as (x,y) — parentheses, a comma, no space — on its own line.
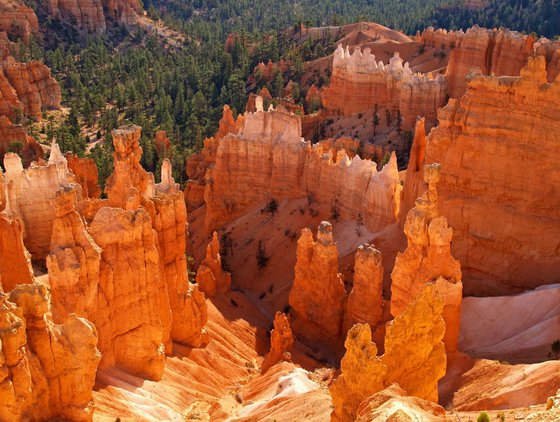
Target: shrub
(262,259)
(483,417)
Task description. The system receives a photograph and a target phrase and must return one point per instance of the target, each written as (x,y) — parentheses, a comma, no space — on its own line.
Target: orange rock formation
(359,83)
(32,197)
(46,370)
(317,295)
(365,301)
(210,276)
(14,139)
(18,20)
(36,89)
(15,261)
(414,357)
(86,174)
(84,14)
(363,374)
(267,159)
(281,342)
(428,258)
(73,262)
(505,223)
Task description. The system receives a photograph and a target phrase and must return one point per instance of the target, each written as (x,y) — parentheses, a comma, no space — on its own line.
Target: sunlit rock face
(317,287)
(428,258)
(414,358)
(499,187)
(360,83)
(46,370)
(35,88)
(32,196)
(266,158)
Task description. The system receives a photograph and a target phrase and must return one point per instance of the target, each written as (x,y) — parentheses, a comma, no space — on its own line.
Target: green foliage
(483,417)
(555,348)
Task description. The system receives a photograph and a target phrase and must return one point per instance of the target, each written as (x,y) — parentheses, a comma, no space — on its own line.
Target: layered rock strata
(46,370)
(414,357)
(18,20)
(266,158)
(32,197)
(360,83)
(84,14)
(503,207)
(317,287)
(14,139)
(33,84)
(498,52)
(86,174)
(428,258)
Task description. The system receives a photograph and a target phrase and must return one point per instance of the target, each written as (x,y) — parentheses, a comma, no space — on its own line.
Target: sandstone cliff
(73,261)
(33,195)
(15,261)
(36,89)
(317,295)
(267,159)
(359,83)
(281,342)
(86,174)
(428,258)
(46,370)
(84,14)
(18,20)
(210,276)
(129,318)
(14,139)
(499,184)
(414,357)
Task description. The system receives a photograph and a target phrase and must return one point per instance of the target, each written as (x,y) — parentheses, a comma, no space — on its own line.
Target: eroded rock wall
(499,185)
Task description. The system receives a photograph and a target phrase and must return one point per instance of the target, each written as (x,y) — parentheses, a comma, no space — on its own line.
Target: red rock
(313,97)
(499,52)
(47,370)
(129,183)
(18,20)
(129,317)
(414,357)
(281,342)
(34,85)
(504,209)
(86,174)
(73,262)
(163,144)
(84,14)
(317,295)
(32,197)
(124,12)
(14,139)
(15,261)
(414,184)
(210,276)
